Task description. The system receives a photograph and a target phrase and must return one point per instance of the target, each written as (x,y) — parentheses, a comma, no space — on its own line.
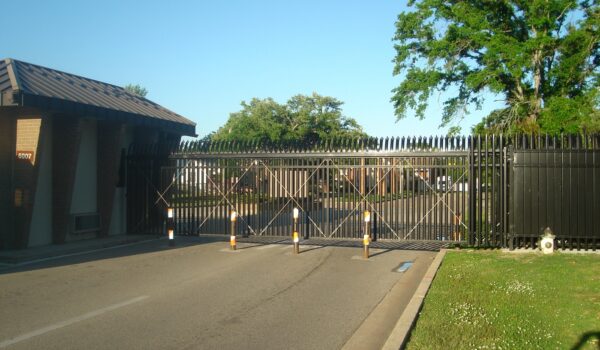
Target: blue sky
(202,58)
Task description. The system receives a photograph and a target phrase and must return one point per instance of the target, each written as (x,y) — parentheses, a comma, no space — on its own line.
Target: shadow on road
(62,257)
(102,253)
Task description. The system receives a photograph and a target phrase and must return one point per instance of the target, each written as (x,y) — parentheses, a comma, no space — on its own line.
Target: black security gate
(433,189)
(409,197)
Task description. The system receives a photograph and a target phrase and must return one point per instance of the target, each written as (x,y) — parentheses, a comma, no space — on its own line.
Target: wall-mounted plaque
(25,155)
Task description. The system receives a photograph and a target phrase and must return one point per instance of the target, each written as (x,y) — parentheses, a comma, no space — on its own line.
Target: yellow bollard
(296,243)
(366,241)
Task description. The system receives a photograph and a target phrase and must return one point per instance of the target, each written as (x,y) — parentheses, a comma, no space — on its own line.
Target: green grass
(496,300)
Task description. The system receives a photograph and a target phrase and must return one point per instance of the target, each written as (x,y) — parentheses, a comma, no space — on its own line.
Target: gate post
(307,206)
(471,193)
(509,196)
(374,235)
(246,231)
(307,226)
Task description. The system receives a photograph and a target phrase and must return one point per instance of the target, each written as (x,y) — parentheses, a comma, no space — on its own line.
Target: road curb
(399,336)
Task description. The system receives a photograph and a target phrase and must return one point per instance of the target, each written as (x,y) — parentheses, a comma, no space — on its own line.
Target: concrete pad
(268,246)
(360,258)
(228,250)
(380,325)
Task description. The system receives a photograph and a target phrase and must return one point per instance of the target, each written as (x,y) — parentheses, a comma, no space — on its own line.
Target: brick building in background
(63,141)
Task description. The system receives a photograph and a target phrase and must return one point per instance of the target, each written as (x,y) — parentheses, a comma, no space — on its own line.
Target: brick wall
(65,151)
(28,133)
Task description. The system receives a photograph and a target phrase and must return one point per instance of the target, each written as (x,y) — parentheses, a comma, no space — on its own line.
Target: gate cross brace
(364,199)
(292,197)
(439,199)
(161,195)
(224,198)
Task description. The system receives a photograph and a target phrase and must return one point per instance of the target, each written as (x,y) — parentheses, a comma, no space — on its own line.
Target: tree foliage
(302,119)
(136,89)
(540,57)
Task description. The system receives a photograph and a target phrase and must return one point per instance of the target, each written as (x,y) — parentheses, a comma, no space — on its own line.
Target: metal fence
(428,188)
(556,187)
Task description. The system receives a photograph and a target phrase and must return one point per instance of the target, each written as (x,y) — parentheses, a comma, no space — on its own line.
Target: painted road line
(404,266)
(69,322)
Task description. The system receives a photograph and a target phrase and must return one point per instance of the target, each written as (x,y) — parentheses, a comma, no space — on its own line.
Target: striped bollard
(295,237)
(171,227)
(367,236)
(232,242)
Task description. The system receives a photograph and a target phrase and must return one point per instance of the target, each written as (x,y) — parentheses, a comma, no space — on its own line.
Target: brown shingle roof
(39,86)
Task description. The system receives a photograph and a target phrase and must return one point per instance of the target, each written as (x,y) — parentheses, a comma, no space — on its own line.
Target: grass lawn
(496,300)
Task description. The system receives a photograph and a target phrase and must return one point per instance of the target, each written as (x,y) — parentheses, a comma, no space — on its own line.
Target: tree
(301,119)
(540,56)
(136,89)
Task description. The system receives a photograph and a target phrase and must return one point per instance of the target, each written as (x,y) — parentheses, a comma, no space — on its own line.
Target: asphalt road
(199,295)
